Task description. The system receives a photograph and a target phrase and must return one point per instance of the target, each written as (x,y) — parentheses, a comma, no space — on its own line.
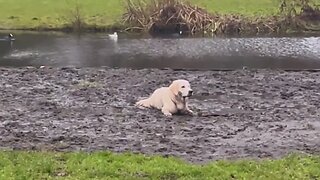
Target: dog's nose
(190,91)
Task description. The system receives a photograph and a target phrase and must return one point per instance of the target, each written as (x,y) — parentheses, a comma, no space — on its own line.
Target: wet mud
(240,114)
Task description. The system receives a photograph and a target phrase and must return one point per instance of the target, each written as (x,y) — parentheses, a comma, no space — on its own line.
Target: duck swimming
(113,36)
(9,37)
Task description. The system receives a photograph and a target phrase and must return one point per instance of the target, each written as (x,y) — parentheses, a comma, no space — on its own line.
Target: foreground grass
(102,165)
(48,14)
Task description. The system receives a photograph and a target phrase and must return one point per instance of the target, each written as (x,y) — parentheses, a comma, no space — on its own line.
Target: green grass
(243,7)
(49,14)
(29,14)
(104,165)
(26,14)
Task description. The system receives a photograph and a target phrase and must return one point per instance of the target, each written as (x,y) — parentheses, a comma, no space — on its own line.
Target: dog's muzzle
(190,93)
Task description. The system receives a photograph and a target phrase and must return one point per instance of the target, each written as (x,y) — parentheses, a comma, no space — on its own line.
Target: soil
(240,114)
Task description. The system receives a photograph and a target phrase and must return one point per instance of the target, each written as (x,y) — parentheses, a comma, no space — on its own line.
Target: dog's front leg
(189,111)
(166,112)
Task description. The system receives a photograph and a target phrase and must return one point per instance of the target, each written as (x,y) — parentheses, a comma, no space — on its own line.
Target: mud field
(245,113)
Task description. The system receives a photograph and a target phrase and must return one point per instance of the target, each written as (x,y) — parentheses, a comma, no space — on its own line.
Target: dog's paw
(167,114)
(191,113)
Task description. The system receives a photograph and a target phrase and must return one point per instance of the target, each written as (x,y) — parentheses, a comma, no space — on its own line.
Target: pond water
(137,52)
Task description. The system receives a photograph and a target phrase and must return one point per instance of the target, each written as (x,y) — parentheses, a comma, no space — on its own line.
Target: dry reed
(166,16)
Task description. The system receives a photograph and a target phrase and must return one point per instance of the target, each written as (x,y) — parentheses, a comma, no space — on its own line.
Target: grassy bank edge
(101,165)
(75,19)
(121,27)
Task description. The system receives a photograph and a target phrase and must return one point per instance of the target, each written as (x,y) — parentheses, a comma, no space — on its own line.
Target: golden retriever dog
(170,100)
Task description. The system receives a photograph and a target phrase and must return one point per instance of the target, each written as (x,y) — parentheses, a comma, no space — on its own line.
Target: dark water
(95,50)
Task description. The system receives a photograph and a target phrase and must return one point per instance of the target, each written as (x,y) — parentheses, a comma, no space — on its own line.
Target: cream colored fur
(170,99)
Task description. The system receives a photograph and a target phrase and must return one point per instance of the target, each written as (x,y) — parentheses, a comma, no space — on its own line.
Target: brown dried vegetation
(169,16)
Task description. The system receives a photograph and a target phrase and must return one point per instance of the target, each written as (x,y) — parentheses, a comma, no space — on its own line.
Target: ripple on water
(21,55)
(181,53)
(197,47)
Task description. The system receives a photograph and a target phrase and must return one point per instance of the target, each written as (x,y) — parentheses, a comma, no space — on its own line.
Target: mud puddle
(245,113)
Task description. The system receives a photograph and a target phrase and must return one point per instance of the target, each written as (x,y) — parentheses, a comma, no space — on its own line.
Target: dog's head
(181,88)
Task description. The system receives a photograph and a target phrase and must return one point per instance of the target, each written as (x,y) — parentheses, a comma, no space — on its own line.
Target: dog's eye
(182,87)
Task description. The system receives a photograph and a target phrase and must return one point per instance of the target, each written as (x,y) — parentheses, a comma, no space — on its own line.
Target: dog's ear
(174,87)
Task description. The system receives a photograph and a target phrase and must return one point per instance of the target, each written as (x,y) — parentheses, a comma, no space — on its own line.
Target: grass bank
(102,165)
(38,14)
(48,14)
(107,15)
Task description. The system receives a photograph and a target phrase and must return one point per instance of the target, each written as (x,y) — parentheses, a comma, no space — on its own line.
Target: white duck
(113,36)
(9,37)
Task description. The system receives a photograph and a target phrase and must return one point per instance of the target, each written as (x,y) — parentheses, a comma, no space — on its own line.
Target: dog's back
(156,98)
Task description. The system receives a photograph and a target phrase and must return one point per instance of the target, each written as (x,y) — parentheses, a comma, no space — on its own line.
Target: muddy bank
(240,113)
